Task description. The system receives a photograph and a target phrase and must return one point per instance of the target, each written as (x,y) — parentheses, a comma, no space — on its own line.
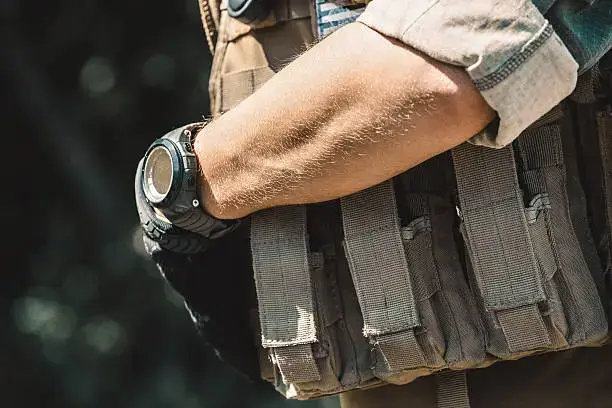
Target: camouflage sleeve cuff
(511,52)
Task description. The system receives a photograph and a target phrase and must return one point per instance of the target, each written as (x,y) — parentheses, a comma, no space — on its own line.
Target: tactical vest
(475,256)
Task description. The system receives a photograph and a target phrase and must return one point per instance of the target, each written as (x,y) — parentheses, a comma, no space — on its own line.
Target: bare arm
(353,111)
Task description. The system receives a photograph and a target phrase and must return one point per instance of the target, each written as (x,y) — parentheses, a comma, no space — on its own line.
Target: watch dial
(158,173)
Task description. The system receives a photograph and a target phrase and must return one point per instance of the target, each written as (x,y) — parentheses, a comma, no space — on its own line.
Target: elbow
(462,101)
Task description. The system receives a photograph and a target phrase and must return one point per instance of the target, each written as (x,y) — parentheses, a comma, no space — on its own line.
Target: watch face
(158,174)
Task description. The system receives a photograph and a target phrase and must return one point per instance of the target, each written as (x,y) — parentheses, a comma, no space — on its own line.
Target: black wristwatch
(166,181)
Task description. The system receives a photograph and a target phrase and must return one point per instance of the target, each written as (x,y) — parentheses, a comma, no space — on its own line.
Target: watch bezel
(177,173)
(181,205)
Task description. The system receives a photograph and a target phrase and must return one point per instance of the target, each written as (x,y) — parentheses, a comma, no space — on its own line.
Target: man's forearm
(353,111)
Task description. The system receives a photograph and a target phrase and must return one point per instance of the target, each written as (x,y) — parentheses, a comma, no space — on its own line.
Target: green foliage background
(86,319)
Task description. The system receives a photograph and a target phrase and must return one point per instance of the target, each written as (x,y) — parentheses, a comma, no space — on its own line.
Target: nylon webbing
(497,233)
(544,168)
(401,350)
(237,86)
(379,269)
(284,291)
(604,125)
(587,83)
(452,391)
(523,328)
(297,363)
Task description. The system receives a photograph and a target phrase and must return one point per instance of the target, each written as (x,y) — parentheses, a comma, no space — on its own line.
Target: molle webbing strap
(279,248)
(237,86)
(379,269)
(502,252)
(544,168)
(524,328)
(452,391)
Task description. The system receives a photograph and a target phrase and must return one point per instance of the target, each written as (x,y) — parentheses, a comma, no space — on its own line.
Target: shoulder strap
(209,24)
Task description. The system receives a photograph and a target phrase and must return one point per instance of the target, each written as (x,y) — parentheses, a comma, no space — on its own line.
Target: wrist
(218,177)
(168,179)
(212,205)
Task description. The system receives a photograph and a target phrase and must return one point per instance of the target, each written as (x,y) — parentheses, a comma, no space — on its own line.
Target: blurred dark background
(87,321)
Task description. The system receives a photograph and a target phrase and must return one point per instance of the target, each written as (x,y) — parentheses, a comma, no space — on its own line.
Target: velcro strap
(502,252)
(523,328)
(494,216)
(284,291)
(237,86)
(379,269)
(297,363)
(401,350)
(282,276)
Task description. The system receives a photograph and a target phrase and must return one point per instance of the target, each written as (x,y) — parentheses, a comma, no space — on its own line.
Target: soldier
(423,194)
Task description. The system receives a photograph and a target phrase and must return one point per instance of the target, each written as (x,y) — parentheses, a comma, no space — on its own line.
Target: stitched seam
(511,65)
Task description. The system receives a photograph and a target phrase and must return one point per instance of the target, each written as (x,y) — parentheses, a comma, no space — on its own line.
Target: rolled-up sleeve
(511,52)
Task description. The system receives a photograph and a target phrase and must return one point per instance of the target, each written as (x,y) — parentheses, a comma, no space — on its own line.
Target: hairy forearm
(353,111)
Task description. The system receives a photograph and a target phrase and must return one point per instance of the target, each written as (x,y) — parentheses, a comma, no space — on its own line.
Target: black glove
(214,277)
